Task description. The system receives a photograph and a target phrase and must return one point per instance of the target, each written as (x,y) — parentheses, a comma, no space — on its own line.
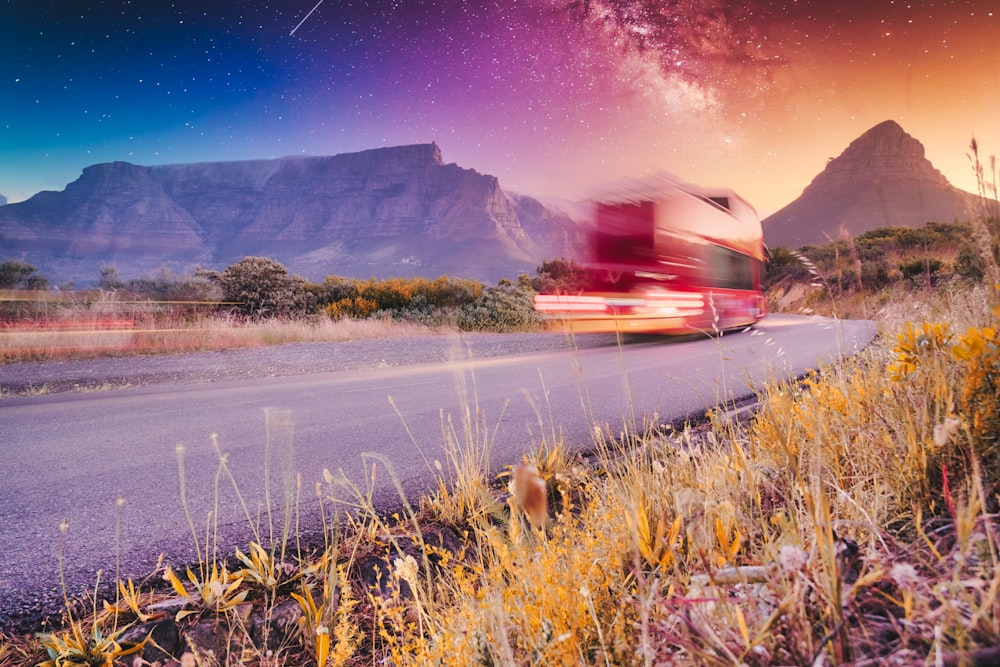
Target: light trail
(305,17)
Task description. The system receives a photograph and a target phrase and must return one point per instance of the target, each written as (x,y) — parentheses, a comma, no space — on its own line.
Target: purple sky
(552,97)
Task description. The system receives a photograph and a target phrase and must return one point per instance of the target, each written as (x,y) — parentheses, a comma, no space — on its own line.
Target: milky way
(552,96)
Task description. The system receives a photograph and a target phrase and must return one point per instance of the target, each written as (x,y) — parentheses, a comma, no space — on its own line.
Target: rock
(375,570)
(882,179)
(209,640)
(270,629)
(164,640)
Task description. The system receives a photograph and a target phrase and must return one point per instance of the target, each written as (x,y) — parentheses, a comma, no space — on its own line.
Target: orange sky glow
(766,130)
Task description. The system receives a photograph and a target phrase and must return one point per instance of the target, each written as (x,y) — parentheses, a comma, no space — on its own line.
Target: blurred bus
(667,257)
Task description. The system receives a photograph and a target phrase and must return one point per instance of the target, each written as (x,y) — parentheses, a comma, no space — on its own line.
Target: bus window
(729,269)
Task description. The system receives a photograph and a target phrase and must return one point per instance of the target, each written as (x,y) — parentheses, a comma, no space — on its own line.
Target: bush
(432,302)
(969,264)
(558,276)
(109,278)
(166,286)
(504,308)
(15,274)
(400,294)
(931,236)
(922,271)
(261,288)
(782,264)
(875,273)
(356,308)
(334,289)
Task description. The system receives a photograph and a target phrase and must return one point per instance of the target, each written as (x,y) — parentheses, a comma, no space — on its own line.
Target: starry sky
(554,97)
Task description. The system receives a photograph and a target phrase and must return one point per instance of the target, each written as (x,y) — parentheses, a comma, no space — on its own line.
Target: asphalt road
(105,464)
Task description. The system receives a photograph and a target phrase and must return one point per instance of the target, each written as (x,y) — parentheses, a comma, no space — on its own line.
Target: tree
(110,280)
(261,288)
(16,274)
(559,276)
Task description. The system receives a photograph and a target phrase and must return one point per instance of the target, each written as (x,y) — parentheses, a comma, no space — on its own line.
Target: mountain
(882,179)
(383,212)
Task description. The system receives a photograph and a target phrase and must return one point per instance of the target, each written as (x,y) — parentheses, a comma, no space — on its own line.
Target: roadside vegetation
(253,302)
(850,520)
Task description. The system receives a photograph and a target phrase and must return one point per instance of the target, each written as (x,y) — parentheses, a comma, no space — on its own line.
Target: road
(105,465)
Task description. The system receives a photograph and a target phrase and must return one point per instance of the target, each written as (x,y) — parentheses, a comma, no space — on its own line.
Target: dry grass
(89,337)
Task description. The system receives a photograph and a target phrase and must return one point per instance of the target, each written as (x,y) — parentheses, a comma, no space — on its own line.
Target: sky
(556,98)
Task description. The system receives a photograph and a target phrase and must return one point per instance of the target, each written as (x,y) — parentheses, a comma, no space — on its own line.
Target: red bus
(666,258)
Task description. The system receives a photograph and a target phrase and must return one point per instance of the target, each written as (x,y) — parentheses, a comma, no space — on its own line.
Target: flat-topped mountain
(882,179)
(384,212)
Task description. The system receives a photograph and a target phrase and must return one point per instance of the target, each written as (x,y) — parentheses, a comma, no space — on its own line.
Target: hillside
(882,179)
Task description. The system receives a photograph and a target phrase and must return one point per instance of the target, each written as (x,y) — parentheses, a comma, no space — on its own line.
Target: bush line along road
(77,453)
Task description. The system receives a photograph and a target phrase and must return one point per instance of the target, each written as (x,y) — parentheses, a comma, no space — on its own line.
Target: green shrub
(875,273)
(782,264)
(922,270)
(503,308)
(931,236)
(969,264)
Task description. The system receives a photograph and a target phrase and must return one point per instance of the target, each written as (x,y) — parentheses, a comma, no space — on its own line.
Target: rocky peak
(882,179)
(885,153)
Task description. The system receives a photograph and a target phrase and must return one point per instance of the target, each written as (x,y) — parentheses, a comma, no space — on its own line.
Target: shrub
(399,294)
(356,307)
(165,286)
(261,288)
(931,236)
(15,274)
(969,264)
(503,308)
(109,278)
(334,289)
(558,275)
(783,263)
(922,271)
(415,299)
(875,273)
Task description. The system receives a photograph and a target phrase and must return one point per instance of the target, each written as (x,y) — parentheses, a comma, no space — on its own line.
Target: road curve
(106,462)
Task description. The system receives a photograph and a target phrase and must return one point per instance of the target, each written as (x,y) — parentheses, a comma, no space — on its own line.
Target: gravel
(273,361)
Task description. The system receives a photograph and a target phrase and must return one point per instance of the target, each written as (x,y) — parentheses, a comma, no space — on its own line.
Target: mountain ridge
(385,211)
(402,211)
